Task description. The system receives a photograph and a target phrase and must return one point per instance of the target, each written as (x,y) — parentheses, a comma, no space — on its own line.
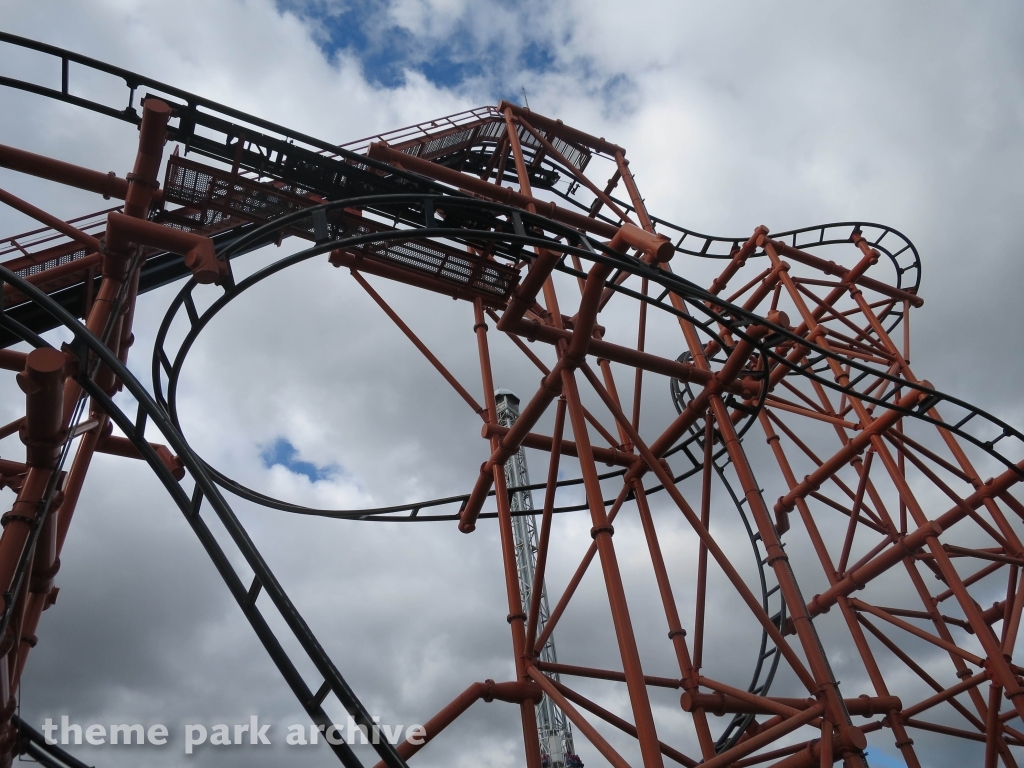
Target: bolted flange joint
(42,381)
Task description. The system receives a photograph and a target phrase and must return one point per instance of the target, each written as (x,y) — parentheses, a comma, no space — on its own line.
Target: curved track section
(823,371)
(715,316)
(206,493)
(730,321)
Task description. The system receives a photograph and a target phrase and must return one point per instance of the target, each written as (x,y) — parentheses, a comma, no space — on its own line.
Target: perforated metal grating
(492,130)
(468,271)
(67,258)
(213,196)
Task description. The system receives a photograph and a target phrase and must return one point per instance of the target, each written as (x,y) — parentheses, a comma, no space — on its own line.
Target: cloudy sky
(777,113)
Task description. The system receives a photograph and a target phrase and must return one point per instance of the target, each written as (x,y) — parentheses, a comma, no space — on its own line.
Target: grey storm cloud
(781,113)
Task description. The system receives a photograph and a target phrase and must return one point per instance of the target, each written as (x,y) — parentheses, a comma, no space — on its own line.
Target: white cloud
(774,113)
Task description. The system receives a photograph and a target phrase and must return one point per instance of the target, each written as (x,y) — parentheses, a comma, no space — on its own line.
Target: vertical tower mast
(555,731)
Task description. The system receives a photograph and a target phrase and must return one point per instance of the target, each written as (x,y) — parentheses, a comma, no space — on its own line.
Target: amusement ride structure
(883,520)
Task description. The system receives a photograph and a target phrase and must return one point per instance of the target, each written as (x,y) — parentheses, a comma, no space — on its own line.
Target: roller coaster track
(167,367)
(167,364)
(206,493)
(350,181)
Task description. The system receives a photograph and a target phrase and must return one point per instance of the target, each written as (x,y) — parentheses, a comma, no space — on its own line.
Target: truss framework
(887,535)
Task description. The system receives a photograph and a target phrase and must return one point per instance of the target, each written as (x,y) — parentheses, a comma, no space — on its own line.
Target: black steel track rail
(170,363)
(85,345)
(217,131)
(351,180)
(211,129)
(158,270)
(733,318)
(32,743)
(198,113)
(891,243)
(170,366)
(764,673)
(713,310)
(897,247)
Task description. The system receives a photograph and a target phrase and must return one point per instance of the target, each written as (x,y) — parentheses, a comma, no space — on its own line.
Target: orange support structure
(883,517)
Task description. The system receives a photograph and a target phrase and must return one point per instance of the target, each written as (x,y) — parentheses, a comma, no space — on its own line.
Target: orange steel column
(570,357)
(690,676)
(516,617)
(103,320)
(850,737)
(44,377)
(42,381)
(139,192)
(998,665)
(602,532)
(602,529)
(871,430)
(895,719)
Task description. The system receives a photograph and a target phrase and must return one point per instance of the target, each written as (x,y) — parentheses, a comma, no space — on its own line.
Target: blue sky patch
(365,29)
(282,452)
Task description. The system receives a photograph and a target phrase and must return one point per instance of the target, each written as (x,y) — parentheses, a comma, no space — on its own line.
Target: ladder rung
(320,695)
(254,591)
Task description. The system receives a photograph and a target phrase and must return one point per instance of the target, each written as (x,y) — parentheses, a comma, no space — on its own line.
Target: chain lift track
(418,206)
